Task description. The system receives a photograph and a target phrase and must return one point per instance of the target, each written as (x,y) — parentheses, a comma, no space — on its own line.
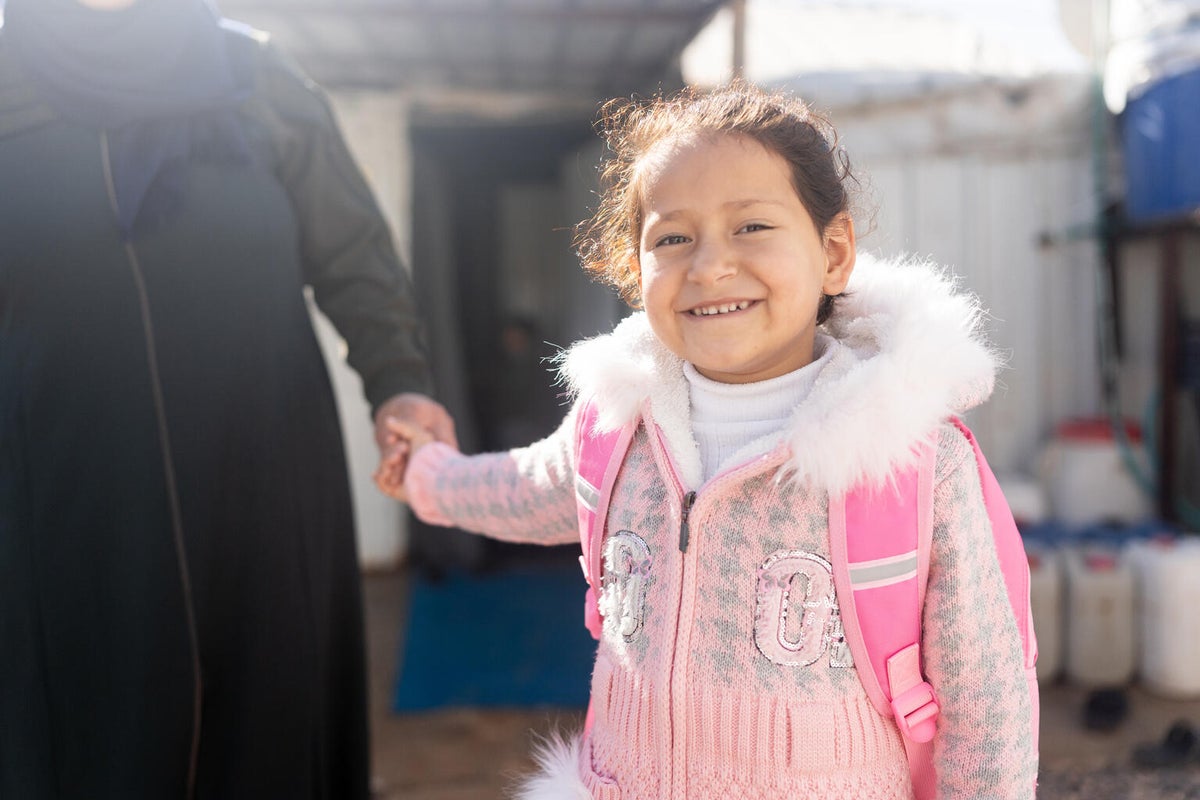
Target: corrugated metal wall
(994,181)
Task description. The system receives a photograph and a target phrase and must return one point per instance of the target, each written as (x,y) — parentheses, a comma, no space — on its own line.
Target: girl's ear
(840,252)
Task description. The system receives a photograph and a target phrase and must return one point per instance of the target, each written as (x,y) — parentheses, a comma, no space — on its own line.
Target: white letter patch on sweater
(796,620)
(626,578)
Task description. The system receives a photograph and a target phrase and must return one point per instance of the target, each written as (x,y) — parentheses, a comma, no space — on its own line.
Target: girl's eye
(673,238)
(754,226)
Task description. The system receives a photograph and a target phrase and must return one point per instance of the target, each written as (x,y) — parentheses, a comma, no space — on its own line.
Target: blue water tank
(1160,138)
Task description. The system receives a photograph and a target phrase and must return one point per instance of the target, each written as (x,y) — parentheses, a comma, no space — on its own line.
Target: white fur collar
(909,353)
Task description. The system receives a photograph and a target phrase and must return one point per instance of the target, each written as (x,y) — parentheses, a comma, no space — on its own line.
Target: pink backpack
(880,541)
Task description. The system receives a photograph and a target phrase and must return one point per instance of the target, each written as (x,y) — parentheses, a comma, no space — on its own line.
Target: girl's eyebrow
(733,205)
(752,201)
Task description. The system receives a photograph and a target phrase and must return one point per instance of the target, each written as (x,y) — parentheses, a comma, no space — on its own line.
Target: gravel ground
(476,754)
(1120,783)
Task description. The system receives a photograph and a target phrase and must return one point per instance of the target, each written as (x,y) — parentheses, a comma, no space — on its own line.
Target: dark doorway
(494,266)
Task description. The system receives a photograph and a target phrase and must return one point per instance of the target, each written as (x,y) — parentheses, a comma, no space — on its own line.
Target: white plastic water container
(1026,497)
(1168,573)
(1046,603)
(1087,479)
(1100,603)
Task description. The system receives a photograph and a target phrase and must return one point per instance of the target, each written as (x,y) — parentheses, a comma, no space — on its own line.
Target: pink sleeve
(421,478)
(973,656)
(524,495)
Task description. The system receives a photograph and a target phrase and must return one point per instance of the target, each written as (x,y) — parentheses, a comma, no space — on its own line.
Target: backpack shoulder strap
(598,457)
(880,540)
(873,534)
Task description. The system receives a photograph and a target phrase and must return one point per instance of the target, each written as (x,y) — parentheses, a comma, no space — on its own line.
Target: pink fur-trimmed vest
(880,541)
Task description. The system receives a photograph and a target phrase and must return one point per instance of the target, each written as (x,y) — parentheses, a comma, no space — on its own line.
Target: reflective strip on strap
(883,571)
(588,495)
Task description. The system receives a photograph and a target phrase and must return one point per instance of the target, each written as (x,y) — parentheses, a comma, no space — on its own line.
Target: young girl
(770,367)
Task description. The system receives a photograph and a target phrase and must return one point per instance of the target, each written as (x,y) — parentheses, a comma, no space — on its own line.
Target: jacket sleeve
(346,250)
(524,495)
(984,747)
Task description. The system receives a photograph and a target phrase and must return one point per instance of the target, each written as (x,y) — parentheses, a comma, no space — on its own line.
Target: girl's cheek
(644,269)
(650,277)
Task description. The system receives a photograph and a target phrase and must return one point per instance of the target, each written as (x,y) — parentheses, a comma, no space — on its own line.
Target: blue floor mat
(513,637)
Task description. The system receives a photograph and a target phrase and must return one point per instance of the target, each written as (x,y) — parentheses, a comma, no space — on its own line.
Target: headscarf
(160,77)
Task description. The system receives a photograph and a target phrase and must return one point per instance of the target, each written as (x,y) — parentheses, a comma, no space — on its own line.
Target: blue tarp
(514,637)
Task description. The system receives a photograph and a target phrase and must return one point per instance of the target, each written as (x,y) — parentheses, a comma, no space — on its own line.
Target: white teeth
(708,311)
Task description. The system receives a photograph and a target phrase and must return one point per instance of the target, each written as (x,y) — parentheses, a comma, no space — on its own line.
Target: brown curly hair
(607,243)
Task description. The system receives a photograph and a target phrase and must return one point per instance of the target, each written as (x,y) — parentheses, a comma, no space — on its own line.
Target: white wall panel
(881,224)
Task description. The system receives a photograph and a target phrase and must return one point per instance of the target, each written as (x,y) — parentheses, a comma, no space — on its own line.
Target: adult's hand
(415,410)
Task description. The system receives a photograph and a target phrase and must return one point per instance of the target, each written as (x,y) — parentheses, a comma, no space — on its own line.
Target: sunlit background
(1044,150)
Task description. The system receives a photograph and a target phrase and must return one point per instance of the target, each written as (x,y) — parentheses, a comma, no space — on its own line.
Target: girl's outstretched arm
(524,495)
(973,658)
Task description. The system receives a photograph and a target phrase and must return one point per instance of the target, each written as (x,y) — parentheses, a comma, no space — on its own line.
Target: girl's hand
(389,475)
(421,416)
(406,439)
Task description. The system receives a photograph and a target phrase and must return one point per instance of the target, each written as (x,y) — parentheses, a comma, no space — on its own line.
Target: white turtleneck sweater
(727,417)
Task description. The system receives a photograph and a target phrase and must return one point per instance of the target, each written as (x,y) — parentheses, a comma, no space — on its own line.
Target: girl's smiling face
(732,267)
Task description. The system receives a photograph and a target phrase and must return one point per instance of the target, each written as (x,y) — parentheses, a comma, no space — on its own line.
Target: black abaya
(180,611)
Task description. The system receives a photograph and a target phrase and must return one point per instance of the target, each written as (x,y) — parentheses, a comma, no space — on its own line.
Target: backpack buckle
(916,712)
(591,614)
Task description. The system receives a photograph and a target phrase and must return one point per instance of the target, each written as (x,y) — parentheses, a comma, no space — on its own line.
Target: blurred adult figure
(180,609)
(523,404)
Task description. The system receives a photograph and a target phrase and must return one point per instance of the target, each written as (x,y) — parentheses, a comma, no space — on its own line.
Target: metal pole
(1169,309)
(739,38)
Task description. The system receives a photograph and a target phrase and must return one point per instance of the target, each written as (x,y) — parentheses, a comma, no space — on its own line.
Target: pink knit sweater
(690,698)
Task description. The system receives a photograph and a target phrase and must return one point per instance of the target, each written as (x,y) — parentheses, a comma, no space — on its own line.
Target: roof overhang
(581,49)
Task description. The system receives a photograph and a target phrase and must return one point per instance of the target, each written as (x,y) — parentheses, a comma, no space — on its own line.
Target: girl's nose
(712,261)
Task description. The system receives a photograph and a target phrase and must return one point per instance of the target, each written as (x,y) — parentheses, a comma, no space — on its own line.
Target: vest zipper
(160,412)
(676,778)
(685,509)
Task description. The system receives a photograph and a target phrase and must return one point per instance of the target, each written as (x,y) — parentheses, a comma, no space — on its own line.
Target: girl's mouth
(720,308)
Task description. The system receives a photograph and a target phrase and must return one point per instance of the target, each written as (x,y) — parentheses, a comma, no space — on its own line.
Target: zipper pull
(689,500)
